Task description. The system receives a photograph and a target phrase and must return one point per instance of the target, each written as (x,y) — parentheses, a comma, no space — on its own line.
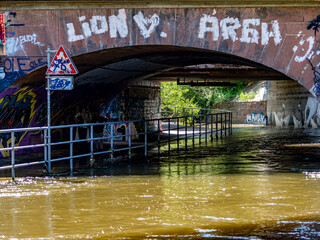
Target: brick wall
(245,112)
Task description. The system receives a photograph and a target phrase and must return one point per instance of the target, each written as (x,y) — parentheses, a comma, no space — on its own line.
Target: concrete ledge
(76,4)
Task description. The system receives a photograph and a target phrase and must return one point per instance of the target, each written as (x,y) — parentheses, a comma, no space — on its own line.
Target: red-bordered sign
(2,34)
(62,64)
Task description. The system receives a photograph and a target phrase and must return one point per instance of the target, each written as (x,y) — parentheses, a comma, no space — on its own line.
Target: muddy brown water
(262,183)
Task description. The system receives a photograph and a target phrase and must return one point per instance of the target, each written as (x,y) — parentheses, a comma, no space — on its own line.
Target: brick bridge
(115,45)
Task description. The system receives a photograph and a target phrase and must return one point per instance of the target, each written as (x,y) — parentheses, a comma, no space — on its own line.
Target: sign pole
(48,113)
(61,64)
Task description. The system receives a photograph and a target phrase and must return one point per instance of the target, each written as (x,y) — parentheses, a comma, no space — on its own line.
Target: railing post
(231,122)
(217,118)
(111,141)
(193,131)
(225,124)
(169,136)
(91,146)
(71,150)
(178,137)
(185,133)
(211,120)
(221,125)
(158,137)
(200,129)
(129,141)
(207,128)
(12,157)
(45,142)
(145,138)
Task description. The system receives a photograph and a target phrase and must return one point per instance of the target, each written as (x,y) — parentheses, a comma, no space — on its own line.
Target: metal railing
(126,136)
(174,111)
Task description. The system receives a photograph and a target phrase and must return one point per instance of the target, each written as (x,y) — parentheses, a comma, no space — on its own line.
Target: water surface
(255,185)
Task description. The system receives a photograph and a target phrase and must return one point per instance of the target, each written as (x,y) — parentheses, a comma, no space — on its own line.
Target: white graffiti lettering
(29,38)
(118,24)
(308,53)
(275,33)
(72,37)
(247,31)
(248,34)
(227,28)
(98,24)
(144,22)
(214,28)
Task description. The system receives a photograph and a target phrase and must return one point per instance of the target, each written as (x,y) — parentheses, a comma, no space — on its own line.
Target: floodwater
(259,184)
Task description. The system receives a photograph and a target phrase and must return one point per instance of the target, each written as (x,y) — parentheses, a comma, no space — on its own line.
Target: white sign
(61,83)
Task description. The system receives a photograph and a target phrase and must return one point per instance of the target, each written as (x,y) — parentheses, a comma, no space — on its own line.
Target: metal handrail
(221,121)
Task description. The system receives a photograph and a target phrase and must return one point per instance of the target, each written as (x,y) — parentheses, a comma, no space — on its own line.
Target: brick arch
(284,39)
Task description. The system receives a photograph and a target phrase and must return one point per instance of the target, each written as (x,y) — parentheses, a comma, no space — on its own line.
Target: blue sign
(61,83)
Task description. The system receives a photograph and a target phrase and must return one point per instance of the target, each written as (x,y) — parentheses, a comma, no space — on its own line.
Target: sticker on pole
(62,64)
(61,83)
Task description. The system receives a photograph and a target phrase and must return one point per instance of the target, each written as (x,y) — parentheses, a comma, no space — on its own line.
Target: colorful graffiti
(2,35)
(12,68)
(118,130)
(16,111)
(257,118)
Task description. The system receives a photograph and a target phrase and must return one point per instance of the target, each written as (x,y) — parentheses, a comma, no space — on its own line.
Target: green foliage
(246,96)
(174,95)
(197,97)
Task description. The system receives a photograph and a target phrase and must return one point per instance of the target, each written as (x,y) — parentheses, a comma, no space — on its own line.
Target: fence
(125,137)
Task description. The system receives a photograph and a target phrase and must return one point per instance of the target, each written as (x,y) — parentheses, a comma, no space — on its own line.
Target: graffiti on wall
(309,117)
(253,30)
(12,68)
(117,130)
(312,113)
(2,35)
(16,111)
(257,117)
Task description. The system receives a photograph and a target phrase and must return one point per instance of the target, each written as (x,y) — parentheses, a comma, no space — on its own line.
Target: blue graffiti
(316,79)
(11,69)
(10,77)
(22,64)
(9,21)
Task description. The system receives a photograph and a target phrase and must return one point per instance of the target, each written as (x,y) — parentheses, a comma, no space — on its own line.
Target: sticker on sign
(62,64)
(61,83)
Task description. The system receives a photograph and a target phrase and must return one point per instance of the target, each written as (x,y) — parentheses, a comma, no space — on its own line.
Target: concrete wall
(290,104)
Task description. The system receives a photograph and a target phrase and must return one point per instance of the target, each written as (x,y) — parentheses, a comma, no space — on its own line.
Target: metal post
(211,120)
(225,124)
(49,113)
(45,146)
(91,146)
(71,151)
(111,141)
(178,127)
(193,131)
(129,141)
(217,118)
(158,137)
(169,137)
(206,128)
(221,126)
(231,123)
(145,138)
(12,156)
(185,132)
(200,130)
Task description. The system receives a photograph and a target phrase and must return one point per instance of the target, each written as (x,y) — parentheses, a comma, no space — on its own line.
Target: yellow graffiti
(24,98)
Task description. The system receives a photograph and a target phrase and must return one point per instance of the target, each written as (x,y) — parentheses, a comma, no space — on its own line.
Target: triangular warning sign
(62,64)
